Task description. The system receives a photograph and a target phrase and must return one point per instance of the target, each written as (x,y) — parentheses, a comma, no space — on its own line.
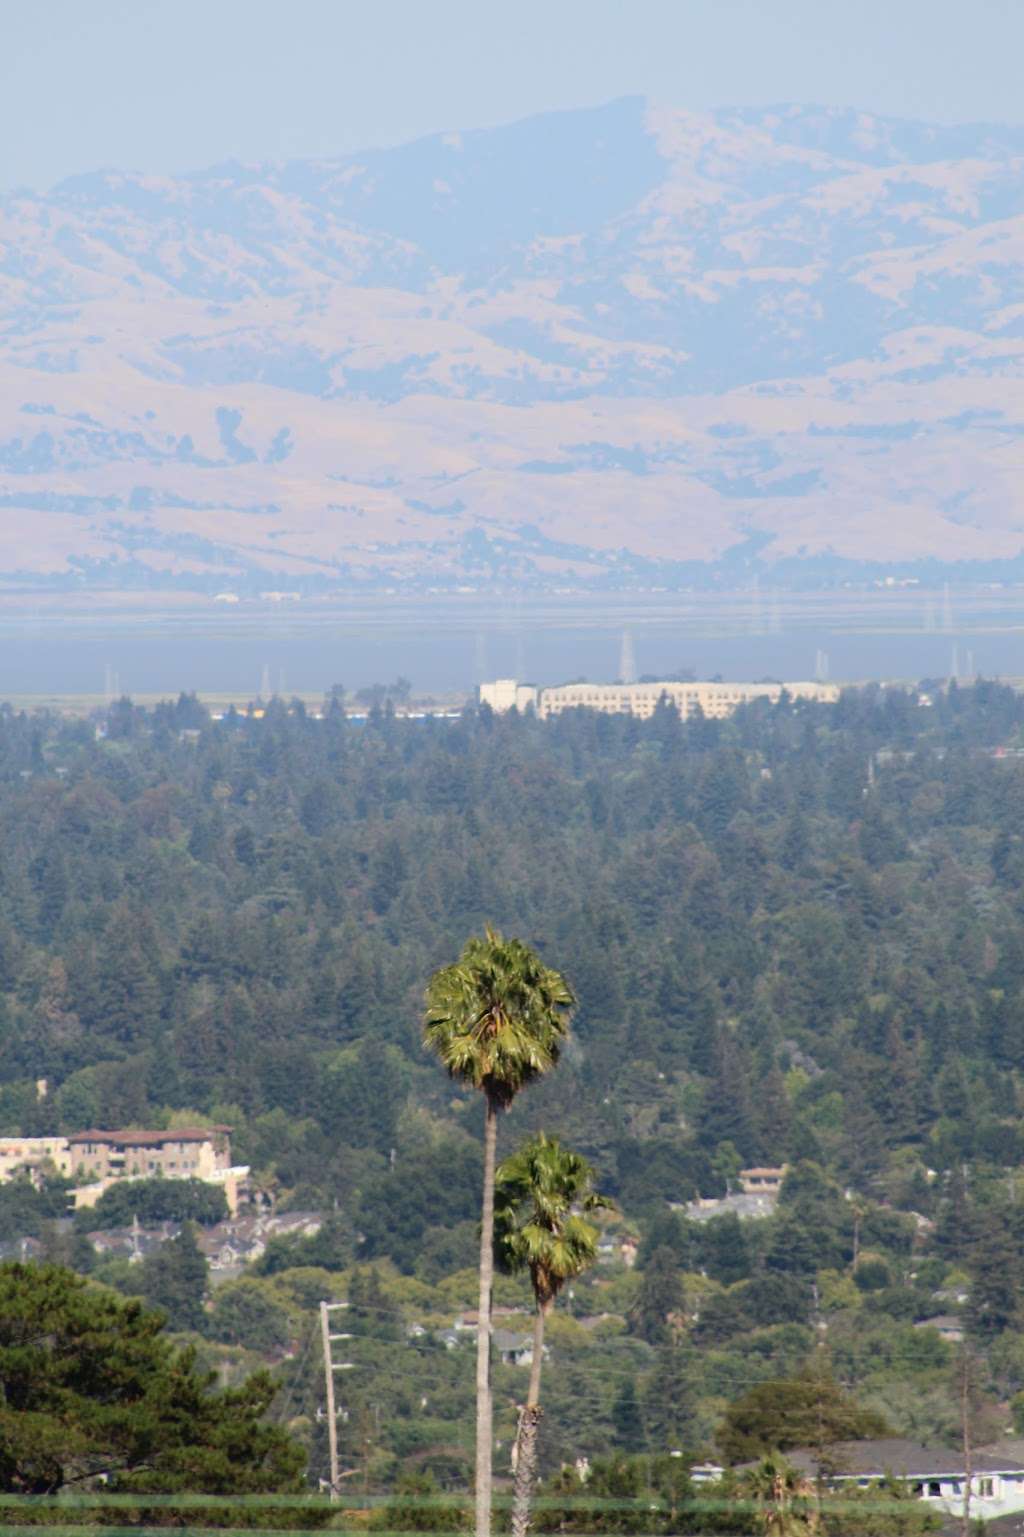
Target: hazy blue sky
(176,84)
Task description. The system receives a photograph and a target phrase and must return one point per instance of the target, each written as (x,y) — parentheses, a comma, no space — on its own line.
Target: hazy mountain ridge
(627,344)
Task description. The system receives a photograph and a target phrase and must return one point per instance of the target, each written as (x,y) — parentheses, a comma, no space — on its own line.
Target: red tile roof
(151,1138)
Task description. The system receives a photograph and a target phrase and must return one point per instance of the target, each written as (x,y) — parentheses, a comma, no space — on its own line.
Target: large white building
(716,700)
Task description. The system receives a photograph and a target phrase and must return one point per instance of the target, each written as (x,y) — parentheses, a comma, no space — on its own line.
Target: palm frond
(540,1195)
(497,1018)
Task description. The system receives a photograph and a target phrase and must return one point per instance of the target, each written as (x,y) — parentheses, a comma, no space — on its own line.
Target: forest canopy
(795,937)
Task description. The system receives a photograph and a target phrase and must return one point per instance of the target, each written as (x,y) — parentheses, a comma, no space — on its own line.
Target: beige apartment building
(180,1153)
(97,1159)
(715,700)
(33,1153)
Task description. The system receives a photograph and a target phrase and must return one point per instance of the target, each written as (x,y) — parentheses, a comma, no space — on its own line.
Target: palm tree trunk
(484,1413)
(526,1463)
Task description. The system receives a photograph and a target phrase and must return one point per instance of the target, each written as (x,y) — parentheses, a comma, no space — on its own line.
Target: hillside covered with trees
(795,937)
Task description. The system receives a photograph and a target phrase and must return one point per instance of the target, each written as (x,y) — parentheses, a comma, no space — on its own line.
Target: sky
(173,85)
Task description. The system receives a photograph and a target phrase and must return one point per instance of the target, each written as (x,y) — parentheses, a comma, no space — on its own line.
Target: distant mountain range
(623,346)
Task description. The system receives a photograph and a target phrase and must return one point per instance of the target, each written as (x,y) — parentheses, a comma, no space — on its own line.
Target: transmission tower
(627,659)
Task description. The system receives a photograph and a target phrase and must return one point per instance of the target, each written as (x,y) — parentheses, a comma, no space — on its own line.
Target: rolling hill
(631,345)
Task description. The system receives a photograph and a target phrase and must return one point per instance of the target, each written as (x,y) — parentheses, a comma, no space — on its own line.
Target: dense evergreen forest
(795,936)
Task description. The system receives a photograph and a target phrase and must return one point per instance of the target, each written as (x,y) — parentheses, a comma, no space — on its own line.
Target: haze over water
(448,646)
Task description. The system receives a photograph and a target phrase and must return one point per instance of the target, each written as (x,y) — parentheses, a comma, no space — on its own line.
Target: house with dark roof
(514,1349)
(948,1326)
(937,1476)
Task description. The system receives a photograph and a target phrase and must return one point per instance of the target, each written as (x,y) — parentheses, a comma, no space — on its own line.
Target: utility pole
(330,1367)
(966,1385)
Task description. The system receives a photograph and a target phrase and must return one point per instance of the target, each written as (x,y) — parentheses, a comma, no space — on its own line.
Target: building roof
(902,1459)
(150,1138)
(504,1339)
(757,1204)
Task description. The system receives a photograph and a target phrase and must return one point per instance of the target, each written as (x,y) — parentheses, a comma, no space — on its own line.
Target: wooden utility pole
(966,1384)
(326,1309)
(332,1422)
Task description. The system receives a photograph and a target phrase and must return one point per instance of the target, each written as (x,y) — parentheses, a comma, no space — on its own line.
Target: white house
(514,1349)
(937,1476)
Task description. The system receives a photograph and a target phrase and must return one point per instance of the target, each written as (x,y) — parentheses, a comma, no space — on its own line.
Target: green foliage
(400,1205)
(541,1195)
(809,1410)
(331,1248)
(173,1278)
(153,1201)
(92,1386)
(26,1207)
(776,956)
(418,1505)
(655,1313)
(621,1494)
(496,1018)
(246,1313)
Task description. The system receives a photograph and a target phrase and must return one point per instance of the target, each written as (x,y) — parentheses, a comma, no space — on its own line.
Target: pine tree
(174,1279)
(728,1107)
(659,1300)
(627,1419)
(671,1398)
(994,1302)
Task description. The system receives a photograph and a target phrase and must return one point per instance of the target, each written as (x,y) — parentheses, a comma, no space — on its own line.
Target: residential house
(240,1241)
(948,1326)
(937,1476)
(706,1472)
(762,1181)
(22,1249)
(740,1204)
(467,1320)
(514,1349)
(132,1243)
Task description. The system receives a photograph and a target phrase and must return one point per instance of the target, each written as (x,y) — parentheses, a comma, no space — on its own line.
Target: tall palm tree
(541,1196)
(496,1019)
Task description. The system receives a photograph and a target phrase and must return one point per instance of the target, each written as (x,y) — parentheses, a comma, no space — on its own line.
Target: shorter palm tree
(783,1497)
(541,1196)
